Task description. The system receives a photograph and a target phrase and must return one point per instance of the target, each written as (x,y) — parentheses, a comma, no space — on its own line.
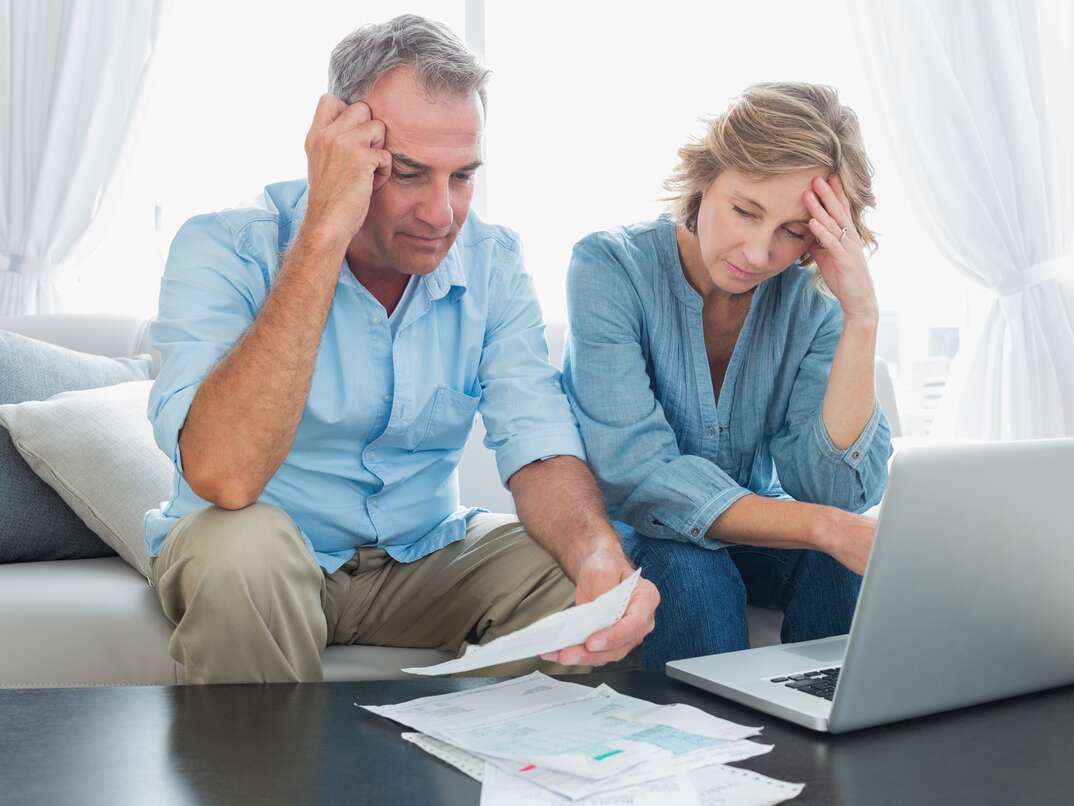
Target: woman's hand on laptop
(847,537)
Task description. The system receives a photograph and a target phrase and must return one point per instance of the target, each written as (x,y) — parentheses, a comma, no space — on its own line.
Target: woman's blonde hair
(773,129)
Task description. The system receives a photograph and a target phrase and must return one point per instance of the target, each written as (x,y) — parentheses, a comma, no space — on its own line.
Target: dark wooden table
(296,744)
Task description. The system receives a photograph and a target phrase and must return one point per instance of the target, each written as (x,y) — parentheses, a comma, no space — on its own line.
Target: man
(324,356)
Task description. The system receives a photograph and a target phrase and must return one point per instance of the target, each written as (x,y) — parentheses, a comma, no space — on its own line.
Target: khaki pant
(251,604)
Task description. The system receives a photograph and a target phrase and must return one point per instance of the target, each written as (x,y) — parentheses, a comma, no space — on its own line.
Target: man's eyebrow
(403,159)
(413,164)
(760,207)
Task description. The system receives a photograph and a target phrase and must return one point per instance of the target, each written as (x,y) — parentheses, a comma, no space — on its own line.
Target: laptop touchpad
(824,653)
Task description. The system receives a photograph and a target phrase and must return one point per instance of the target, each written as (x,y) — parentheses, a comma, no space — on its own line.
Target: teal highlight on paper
(609,754)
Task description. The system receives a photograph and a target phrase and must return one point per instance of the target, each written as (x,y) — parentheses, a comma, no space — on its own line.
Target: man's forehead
(400,137)
(415,119)
(418,153)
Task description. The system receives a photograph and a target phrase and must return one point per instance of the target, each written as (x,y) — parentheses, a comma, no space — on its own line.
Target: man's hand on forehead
(346,161)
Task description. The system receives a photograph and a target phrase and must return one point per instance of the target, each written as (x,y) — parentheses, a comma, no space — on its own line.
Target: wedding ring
(842,235)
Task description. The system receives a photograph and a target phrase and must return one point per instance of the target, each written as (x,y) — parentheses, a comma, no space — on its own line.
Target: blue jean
(704,593)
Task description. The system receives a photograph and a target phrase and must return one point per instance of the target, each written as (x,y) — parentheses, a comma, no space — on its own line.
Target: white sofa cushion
(95,448)
(98,623)
(81,623)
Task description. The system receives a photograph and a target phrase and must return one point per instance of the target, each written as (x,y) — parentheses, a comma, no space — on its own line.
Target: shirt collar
(449,278)
(446,280)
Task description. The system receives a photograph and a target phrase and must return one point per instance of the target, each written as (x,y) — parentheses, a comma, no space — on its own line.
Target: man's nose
(435,207)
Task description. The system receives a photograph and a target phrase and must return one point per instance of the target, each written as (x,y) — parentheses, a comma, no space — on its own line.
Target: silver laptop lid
(969,594)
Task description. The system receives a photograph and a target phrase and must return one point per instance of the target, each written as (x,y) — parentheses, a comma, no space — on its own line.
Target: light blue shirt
(374,459)
(669,456)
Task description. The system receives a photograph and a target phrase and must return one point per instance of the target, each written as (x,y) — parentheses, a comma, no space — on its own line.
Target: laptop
(968,597)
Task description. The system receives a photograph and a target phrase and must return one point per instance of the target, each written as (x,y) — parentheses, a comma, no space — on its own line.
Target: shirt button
(721,429)
(855,455)
(695,532)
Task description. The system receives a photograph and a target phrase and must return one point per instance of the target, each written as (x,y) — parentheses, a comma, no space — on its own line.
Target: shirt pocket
(451,416)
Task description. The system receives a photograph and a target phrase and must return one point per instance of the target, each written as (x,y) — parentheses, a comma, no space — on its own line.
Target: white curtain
(977,102)
(73,75)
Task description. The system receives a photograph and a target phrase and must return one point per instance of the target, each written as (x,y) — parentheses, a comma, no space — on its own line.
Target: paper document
(709,786)
(550,634)
(576,788)
(657,765)
(475,706)
(693,720)
(567,788)
(464,762)
(536,740)
(730,786)
(549,726)
(501,789)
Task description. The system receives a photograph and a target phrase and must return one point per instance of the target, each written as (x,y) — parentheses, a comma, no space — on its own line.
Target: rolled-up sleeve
(526,415)
(646,480)
(809,466)
(209,295)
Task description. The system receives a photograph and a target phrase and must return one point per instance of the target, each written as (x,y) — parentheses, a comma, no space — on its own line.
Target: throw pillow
(35,523)
(95,448)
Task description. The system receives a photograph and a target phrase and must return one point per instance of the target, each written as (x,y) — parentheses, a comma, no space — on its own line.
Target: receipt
(550,634)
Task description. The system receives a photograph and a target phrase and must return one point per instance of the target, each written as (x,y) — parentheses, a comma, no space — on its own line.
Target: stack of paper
(538,740)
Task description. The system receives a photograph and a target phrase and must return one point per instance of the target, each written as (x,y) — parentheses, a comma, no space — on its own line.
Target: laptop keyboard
(820,683)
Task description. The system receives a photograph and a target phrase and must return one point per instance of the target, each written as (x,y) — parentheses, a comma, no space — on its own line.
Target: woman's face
(752,229)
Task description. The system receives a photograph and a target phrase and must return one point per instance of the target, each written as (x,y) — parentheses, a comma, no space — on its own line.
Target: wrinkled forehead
(445,127)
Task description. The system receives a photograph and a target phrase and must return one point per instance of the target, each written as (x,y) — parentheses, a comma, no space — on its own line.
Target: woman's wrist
(775,522)
(823,530)
(862,323)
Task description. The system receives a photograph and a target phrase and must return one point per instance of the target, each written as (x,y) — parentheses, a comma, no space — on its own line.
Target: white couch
(97,622)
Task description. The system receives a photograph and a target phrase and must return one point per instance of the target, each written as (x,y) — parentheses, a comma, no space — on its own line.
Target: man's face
(752,229)
(415,216)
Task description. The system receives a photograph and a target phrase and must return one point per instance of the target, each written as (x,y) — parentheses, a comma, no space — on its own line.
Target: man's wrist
(600,550)
(320,240)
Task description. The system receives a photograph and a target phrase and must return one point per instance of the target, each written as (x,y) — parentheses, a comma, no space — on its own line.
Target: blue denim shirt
(373,462)
(671,458)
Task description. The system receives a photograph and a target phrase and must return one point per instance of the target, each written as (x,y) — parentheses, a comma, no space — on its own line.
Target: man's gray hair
(444,65)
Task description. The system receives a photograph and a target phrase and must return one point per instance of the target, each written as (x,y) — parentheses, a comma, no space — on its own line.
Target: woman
(721,366)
